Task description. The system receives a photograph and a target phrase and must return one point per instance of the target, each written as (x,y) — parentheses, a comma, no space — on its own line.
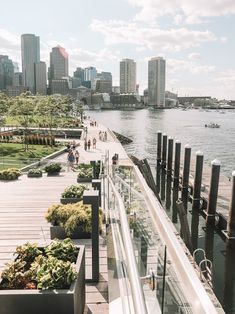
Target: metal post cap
(199,153)
(177,142)
(170,138)
(187,146)
(233,173)
(215,162)
(159,131)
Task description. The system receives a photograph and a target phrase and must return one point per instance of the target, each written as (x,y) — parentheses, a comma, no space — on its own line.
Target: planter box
(66,301)
(80,180)
(70,200)
(50,174)
(34,175)
(58,232)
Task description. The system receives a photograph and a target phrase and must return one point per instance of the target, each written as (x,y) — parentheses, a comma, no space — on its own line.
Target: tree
(3,108)
(51,109)
(23,109)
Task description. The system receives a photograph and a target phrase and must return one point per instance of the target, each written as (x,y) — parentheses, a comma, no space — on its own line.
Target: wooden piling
(164,150)
(213,194)
(159,146)
(186,170)
(177,160)
(231,219)
(170,156)
(197,180)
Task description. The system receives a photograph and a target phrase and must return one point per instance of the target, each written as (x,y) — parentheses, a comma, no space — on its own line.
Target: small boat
(212,125)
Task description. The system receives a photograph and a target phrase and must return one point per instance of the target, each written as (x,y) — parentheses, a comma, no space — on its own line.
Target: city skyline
(196,39)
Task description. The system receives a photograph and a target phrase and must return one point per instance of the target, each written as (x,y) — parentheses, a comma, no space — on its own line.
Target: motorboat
(212,125)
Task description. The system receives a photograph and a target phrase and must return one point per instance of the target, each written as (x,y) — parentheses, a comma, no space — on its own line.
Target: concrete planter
(58,232)
(84,180)
(51,174)
(70,200)
(34,175)
(63,301)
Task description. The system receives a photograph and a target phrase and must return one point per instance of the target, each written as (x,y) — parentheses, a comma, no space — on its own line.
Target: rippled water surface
(187,126)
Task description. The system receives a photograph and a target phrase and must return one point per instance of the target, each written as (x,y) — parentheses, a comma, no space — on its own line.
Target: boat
(212,125)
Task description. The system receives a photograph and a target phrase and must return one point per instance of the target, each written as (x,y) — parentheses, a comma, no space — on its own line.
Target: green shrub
(70,216)
(74,191)
(41,268)
(53,168)
(85,173)
(35,171)
(10,174)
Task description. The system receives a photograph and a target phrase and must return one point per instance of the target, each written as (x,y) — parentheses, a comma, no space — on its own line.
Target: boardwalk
(25,201)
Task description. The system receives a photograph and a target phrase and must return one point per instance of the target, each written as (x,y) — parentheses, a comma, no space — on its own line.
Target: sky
(196,37)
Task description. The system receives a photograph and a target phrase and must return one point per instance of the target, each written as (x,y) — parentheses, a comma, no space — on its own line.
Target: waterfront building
(59,86)
(79,73)
(156,82)
(116,89)
(14,91)
(76,82)
(6,72)
(30,53)
(103,86)
(40,78)
(127,76)
(18,79)
(90,74)
(126,101)
(59,63)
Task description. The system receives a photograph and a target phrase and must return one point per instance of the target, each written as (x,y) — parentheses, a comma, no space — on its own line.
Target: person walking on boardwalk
(89,144)
(94,142)
(85,145)
(77,157)
(105,136)
(71,160)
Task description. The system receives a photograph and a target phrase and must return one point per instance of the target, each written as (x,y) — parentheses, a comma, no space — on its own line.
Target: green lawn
(14,155)
(62,122)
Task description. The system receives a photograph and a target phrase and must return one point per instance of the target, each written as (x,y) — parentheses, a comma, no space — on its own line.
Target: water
(187,126)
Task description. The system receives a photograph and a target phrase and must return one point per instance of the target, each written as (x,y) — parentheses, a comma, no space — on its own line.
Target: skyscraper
(90,74)
(40,78)
(6,72)
(59,63)
(156,82)
(30,53)
(127,76)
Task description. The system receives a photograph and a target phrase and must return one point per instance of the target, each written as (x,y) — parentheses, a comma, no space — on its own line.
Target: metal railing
(136,288)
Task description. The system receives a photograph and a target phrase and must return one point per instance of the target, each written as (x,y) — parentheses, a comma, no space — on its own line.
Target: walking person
(89,144)
(94,143)
(77,157)
(71,160)
(85,145)
(105,136)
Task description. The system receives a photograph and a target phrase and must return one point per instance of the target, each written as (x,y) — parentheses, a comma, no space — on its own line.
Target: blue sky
(196,37)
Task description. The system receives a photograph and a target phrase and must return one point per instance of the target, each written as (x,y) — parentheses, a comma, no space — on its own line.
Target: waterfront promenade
(24,203)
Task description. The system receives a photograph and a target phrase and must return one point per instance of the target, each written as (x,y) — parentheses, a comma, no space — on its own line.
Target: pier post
(186,170)
(214,186)
(159,146)
(92,197)
(231,219)
(177,160)
(170,156)
(96,184)
(164,150)
(197,180)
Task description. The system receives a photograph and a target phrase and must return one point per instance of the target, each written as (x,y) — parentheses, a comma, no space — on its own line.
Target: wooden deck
(22,211)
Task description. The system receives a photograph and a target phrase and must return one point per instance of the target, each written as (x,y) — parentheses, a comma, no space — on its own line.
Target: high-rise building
(156,82)
(18,79)
(79,73)
(127,76)
(30,53)
(90,74)
(59,63)
(6,72)
(41,78)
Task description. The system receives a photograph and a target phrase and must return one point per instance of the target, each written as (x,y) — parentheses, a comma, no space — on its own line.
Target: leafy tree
(3,107)
(51,109)
(23,109)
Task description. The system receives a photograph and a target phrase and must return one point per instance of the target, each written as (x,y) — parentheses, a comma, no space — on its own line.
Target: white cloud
(194,56)
(191,11)
(177,66)
(148,37)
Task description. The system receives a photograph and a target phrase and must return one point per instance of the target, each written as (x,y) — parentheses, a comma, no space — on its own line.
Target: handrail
(192,286)
(137,292)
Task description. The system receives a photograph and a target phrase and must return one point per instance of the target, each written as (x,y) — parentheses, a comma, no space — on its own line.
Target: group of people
(93,123)
(87,144)
(72,158)
(103,136)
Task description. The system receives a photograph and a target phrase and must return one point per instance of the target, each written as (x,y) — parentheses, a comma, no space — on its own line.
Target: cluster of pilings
(169,160)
